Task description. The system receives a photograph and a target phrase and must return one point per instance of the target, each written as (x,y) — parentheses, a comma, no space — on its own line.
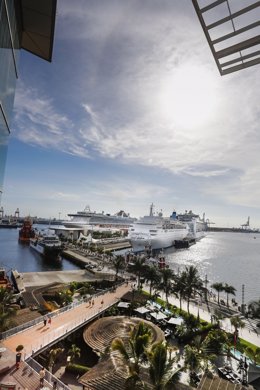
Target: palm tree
(52,357)
(74,352)
(254,308)
(162,374)
(167,276)
(193,283)
(179,287)
(118,263)
(218,287)
(192,359)
(254,354)
(216,341)
(229,290)
(237,323)
(65,297)
(6,311)
(133,350)
(153,276)
(138,268)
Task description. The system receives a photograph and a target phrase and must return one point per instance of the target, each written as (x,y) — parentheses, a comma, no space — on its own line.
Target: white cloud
(150,95)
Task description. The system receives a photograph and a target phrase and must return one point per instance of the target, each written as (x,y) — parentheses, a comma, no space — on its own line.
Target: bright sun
(188,97)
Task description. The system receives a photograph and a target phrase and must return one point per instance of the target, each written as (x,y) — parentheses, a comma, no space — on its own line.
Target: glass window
(7,68)
(3,148)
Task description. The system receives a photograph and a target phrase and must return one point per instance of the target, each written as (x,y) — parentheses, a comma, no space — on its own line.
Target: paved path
(249,333)
(39,336)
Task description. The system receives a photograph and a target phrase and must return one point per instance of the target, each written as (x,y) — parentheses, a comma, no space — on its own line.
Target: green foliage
(74,352)
(76,369)
(216,340)
(7,312)
(162,374)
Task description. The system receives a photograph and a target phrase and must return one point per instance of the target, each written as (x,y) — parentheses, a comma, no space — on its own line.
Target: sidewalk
(247,333)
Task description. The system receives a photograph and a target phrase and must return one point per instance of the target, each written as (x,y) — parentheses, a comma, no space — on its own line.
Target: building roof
(38,22)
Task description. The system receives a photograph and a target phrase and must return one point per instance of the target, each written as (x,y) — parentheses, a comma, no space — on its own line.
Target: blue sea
(232,258)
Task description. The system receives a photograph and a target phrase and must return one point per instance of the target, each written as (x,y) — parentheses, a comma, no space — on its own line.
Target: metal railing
(27,325)
(49,377)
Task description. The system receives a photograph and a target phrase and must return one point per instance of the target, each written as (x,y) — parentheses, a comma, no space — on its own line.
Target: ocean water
(232,258)
(14,255)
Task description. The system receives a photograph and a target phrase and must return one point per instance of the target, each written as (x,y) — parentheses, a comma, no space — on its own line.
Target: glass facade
(9,54)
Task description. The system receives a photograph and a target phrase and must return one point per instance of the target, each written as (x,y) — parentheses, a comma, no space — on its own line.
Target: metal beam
(239,67)
(234,15)
(236,32)
(203,25)
(241,58)
(238,47)
(212,5)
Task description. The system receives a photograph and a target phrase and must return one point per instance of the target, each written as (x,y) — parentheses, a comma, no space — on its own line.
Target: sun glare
(188,97)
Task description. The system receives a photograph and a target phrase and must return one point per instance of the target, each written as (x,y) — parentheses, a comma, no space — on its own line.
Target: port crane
(247,224)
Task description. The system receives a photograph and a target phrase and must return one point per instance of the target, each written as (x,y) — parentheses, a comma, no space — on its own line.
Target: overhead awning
(142,310)
(123,305)
(175,321)
(38,22)
(158,316)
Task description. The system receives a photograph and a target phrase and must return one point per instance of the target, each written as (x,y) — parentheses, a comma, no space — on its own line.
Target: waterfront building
(28,25)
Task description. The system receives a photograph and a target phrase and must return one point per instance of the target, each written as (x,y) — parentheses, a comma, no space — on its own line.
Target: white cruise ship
(88,220)
(156,232)
(197,226)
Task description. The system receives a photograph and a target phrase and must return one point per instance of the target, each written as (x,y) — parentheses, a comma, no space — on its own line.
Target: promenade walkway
(248,333)
(37,337)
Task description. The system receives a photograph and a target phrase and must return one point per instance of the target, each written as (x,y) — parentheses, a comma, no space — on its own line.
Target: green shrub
(76,369)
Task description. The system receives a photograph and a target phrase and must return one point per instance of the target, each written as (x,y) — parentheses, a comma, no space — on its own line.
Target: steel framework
(233,36)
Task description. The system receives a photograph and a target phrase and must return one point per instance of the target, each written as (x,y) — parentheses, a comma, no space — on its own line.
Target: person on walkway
(54,387)
(44,320)
(42,375)
(49,321)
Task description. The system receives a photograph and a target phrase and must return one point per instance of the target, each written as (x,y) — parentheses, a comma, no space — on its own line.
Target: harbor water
(232,258)
(19,256)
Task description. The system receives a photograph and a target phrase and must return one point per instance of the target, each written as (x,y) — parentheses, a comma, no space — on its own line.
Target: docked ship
(26,232)
(197,226)
(47,245)
(156,232)
(88,220)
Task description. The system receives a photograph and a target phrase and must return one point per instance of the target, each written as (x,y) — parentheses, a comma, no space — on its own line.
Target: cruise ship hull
(47,250)
(141,241)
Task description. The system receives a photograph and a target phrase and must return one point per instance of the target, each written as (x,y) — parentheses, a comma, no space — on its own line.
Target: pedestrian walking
(42,375)
(54,387)
(93,302)
(44,320)
(49,320)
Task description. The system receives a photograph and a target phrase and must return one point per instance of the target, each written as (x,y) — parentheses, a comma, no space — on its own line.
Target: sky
(132,111)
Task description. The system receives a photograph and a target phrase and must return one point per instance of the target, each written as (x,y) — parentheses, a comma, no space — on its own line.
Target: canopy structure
(38,22)
(232,31)
(142,310)
(175,321)
(158,316)
(123,305)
